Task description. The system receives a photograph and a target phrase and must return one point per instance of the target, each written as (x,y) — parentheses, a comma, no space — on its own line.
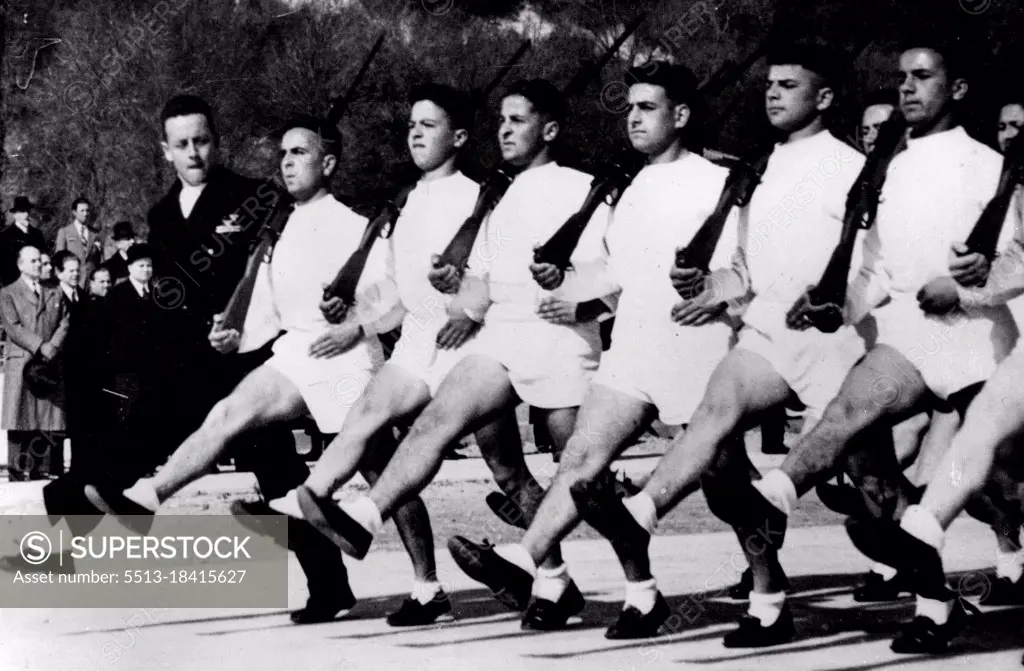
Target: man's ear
(167,151)
(550,132)
(330,162)
(826,96)
(681,115)
(460,137)
(959,88)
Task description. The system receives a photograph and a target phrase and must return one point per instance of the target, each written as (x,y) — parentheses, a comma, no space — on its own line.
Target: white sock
(143,493)
(287,505)
(887,572)
(1009,565)
(641,507)
(766,607)
(922,525)
(778,489)
(641,595)
(425,591)
(551,583)
(517,554)
(936,611)
(364,511)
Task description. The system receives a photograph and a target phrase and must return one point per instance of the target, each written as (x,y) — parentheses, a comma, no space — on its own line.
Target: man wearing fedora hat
(35,319)
(117,264)
(14,237)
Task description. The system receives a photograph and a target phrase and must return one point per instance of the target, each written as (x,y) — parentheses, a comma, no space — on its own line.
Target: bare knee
(434,429)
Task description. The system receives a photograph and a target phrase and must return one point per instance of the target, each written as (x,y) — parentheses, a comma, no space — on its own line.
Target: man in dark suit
(200,235)
(35,319)
(117,264)
(78,363)
(81,240)
(19,234)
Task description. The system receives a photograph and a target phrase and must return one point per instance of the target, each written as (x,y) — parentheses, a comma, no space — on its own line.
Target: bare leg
(730,471)
(264,396)
(944,425)
(475,392)
(502,449)
(411,518)
(996,415)
(884,385)
(391,396)
(605,421)
(743,384)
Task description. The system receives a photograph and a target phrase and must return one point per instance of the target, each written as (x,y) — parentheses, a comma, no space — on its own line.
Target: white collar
(140,288)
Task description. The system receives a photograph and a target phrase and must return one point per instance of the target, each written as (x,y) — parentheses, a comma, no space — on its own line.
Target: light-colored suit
(88,250)
(30,321)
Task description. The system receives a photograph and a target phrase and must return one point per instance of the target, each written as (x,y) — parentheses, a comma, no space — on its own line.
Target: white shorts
(664,364)
(416,353)
(549,365)
(951,352)
(329,387)
(812,363)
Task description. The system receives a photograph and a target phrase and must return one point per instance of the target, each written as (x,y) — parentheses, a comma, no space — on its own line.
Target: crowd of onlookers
(64,307)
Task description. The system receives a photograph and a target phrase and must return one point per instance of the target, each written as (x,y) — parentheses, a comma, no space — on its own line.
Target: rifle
(270,230)
(985,235)
(607,187)
(494,188)
(339,105)
(274,222)
(861,210)
(739,187)
(344,284)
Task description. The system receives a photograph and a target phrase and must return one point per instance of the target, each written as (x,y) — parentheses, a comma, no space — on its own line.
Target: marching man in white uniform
(517,356)
(654,367)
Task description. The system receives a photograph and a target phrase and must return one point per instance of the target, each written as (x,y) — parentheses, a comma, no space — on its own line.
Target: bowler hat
(21,204)
(123,230)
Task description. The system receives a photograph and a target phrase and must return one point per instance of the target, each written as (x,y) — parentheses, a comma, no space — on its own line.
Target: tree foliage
(81,117)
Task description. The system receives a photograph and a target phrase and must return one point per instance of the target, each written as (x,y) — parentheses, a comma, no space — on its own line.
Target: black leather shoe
(545,615)
(506,510)
(876,589)
(413,613)
(321,609)
(921,636)
(260,518)
(1002,592)
(112,501)
(329,519)
(752,634)
(510,584)
(634,624)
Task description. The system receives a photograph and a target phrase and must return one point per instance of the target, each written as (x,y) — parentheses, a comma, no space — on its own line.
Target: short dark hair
(882,97)
(78,201)
(679,82)
(185,105)
(955,51)
(62,257)
(455,103)
(543,95)
(328,133)
(813,56)
(96,271)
